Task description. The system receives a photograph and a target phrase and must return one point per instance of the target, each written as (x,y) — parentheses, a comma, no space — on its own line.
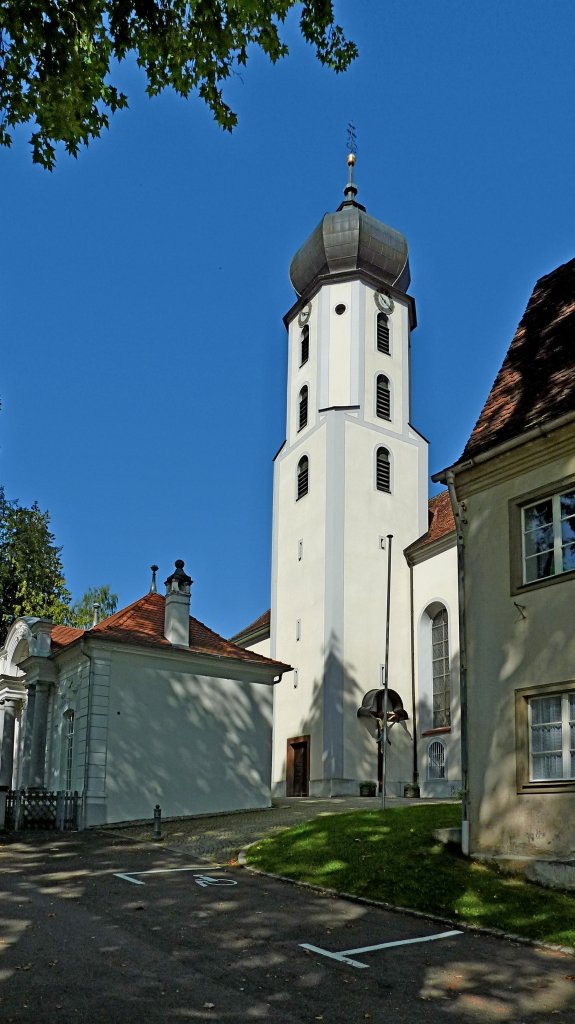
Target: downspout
(88,727)
(414,790)
(459,522)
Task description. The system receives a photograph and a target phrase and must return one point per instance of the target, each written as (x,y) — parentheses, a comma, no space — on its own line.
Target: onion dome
(350,240)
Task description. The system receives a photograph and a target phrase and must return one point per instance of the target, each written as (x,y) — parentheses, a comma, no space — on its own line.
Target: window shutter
(303,397)
(304,346)
(302,477)
(383,474)
(382,333)
(383,398)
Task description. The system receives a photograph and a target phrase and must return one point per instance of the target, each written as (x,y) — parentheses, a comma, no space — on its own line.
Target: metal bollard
(157,836)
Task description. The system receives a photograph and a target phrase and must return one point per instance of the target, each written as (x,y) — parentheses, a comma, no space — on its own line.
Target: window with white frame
(440,670)
(548,536)
(552,737)
(436,760)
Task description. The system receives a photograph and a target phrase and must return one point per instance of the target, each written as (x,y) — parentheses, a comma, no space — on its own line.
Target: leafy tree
(81,613)
(31,574)
(55,57)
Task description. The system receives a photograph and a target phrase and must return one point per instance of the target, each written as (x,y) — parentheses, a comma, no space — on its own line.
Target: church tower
(352,471)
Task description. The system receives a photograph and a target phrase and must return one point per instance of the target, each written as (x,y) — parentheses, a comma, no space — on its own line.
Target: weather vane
(351,138)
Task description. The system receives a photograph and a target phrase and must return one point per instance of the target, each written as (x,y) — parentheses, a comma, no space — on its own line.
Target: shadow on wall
(192,744)
(527,647)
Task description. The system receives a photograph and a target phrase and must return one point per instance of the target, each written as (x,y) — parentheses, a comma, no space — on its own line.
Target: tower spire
(350,190)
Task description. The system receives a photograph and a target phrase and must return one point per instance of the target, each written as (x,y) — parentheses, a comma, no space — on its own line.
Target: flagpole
(386,673)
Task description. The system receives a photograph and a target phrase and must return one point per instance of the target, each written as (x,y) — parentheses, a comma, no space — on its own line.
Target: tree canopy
(56,57)
(81,613)
(31,573)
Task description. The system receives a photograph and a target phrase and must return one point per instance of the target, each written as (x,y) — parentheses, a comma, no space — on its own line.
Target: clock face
(384,302)
(304,315)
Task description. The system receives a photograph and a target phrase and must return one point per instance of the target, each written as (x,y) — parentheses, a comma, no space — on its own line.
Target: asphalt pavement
(101,927)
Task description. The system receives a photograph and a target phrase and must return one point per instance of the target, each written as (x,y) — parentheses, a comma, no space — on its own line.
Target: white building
(149,706)
(351,479)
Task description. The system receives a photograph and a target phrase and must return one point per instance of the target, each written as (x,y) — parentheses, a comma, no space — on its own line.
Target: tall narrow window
(382,333)
(382,470)
(436,760)
(440,665)
(304,346)
(383,398)
(302,419)
(302,477)
(69,748)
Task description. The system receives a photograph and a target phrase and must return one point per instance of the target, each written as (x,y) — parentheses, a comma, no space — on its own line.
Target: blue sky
(142,287)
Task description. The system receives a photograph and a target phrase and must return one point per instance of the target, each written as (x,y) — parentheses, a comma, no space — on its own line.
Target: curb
(477,929)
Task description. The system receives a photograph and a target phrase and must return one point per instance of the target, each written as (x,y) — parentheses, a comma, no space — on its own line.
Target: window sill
(551,786)
(437,732)
(548,581)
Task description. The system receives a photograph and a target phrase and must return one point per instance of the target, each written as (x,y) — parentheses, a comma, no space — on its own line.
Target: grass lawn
(392,856)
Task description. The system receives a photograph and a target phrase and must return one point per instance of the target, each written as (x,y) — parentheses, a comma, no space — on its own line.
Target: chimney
(177,611)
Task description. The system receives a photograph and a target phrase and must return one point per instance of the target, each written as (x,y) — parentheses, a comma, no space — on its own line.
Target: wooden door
(297,773)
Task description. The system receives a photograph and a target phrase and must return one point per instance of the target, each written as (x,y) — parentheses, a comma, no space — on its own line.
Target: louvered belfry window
(302,477)
(304,346)
(382,333)
(383,470)
(383,398)
(303,398)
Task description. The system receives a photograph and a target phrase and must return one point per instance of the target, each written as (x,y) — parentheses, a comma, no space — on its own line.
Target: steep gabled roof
(142,623)
(261,624)
(536,383)
(441,522)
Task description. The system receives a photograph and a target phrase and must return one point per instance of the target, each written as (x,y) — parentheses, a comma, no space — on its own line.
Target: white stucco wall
(435,586)
(192,743)
(328,607)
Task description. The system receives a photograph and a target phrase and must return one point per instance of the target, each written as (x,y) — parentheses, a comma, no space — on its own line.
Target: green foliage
(55,57)
(393,857)
(31,574)
(81,613)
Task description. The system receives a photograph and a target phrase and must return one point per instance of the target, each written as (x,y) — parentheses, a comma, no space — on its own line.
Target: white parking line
(344,956)
(200,879)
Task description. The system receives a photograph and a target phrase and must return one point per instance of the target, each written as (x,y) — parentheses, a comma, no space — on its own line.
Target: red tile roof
(142,623)
(260,623)
(537,380)
(441,521)
(61,636)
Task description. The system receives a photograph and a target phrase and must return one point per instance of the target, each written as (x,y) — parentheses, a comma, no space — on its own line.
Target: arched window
(383,398)
(436,760)
(68,749)
(440,669)
(382,470)
(302,477)
(382,333)
(303,396)
(304,346)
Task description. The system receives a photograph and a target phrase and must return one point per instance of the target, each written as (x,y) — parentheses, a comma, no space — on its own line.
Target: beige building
(514,488)
(149,706)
